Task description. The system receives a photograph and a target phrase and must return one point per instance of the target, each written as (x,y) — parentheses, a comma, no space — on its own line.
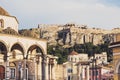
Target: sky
(93,13)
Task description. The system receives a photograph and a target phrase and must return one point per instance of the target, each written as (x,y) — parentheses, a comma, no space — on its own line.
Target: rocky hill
(70,34)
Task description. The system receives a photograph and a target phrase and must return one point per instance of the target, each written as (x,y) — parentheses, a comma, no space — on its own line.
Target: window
(69,70)
(75,59)
(1,23)
(68,77)
(12,73)
(24,74)
(71,59)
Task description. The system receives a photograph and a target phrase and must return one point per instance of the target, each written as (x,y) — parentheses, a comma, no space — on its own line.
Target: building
(23,58)
(107,73)
(72,68)
(115,47)
(101,59)
(6,20)
(79,67)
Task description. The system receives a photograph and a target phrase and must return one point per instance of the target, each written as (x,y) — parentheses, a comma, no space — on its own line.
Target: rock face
(70,34)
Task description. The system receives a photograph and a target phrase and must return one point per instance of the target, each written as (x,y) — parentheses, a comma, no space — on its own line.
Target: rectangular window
(96,73)
(12,73)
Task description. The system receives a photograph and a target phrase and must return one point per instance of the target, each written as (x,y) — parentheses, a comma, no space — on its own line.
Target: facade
(6,20)
(74,67)
(107,73)
(23,58)
(116,57)
(95,73)
(75,57)
(79,67)
(101,59)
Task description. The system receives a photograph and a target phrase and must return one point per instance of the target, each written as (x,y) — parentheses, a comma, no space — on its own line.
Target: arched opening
(12,70)
(17,51)
(17,56)
(36,52)
(2,72)
(3,51)
(1,23)
(119,72)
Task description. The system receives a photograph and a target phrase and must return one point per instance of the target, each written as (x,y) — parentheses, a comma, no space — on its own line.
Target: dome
(3,12)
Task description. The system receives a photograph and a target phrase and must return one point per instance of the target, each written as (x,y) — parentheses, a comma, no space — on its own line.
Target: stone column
(7,73)
(39,71)
(53,70)
(79,72)
(50,72)
(88,76)
(35,78)
(83,72)
(43,69)
(46,69)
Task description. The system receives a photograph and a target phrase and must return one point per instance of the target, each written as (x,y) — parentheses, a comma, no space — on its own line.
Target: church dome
(3,12)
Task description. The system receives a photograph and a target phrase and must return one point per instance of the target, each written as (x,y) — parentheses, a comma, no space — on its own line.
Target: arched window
(1,23)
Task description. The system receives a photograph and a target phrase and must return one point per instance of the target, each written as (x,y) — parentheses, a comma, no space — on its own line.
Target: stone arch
(117,70)
(5,44)
(37,47)
(3,49)
(12,64)
(117,67)
(17,49)
(18,45)
(1,23)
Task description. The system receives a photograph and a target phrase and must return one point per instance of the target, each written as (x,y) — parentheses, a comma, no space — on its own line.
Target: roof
(3,12)
(73,53)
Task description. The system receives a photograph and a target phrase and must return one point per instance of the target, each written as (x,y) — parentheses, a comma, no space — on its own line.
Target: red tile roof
(73,53)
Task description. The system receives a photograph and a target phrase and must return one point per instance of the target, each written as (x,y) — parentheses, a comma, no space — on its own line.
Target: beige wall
(59,72)
(116,50)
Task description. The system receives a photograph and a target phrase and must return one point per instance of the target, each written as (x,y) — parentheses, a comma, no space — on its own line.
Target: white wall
(10,21)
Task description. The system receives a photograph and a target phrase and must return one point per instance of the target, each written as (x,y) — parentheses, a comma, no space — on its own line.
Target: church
(22,58)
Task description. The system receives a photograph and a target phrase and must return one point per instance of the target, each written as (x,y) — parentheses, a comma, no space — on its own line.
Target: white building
(75,66)
(101,58)
(6,20)
(23,58)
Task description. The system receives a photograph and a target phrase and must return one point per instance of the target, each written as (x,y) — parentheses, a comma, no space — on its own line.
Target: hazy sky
(94,13)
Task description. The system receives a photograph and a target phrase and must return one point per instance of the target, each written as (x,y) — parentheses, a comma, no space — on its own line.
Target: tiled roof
(3,12)
(73,53)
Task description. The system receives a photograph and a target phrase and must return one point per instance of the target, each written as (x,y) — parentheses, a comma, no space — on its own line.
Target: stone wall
(59,72)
